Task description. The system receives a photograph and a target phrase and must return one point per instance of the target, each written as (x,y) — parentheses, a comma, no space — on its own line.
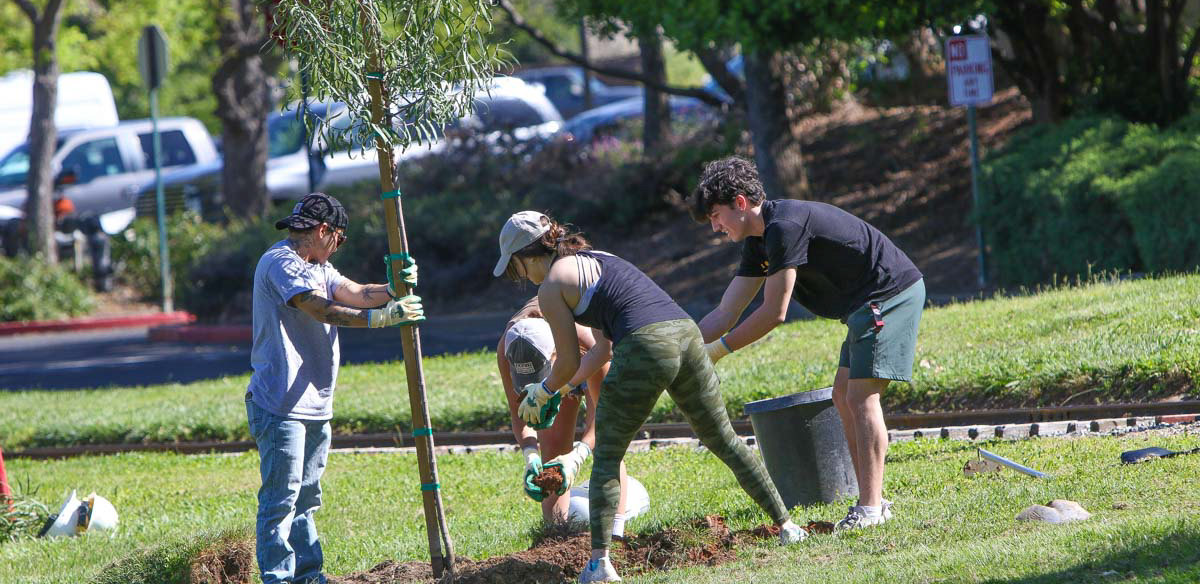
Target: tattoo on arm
(328,311)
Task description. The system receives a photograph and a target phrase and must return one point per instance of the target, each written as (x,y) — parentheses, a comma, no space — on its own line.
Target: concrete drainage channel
(977,425)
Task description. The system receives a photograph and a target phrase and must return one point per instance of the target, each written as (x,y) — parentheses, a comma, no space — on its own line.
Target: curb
(93,323)
(468,442)
(200,334)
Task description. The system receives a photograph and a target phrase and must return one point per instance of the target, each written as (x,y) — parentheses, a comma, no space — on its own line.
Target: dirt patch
(228,561)
(559,556)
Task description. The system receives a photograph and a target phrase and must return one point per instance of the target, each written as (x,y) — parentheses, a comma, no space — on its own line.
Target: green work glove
(539,405)
(408,275)
(533,467)
(406,310)
(570,462)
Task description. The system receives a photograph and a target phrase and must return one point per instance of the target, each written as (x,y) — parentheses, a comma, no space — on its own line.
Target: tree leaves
(433,54)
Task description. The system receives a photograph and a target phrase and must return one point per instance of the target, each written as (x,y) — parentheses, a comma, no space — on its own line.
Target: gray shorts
(886,352)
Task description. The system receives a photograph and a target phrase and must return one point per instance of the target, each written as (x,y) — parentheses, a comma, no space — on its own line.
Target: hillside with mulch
(905,170)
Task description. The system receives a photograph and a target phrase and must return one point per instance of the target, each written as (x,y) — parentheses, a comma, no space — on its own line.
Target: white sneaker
(792,533)
(600,570)
(857,518)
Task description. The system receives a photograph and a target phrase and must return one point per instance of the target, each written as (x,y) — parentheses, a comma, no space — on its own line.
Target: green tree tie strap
(375,75)
(422,432)
(390,195)
(430,486)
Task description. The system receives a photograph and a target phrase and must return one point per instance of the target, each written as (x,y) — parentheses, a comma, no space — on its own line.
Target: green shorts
(886,352)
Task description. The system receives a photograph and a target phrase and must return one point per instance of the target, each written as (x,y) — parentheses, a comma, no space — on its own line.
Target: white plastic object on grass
(1010,464)
(637,501)
(76,517)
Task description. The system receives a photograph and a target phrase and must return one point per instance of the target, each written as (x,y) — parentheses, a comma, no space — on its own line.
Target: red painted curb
(1178,419)
(200,334)
(91,323)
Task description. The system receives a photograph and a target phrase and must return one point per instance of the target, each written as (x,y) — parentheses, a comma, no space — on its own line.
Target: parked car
(105,162)
(608,120)
(511,107)
(85,100)
(564,88)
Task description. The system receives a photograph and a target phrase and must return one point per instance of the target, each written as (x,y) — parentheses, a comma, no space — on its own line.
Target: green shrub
(135,252)
(454,204)
(30,289)
(1090,195)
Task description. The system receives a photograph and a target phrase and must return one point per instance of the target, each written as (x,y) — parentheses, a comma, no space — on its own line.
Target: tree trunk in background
(241,85)
(777,149)
(43,134)
(1035,63)
(657,120)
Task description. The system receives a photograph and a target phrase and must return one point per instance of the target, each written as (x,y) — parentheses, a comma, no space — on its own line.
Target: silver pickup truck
(107,163)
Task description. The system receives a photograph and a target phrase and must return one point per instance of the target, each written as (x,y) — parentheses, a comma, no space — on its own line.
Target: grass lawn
(1129,340)
(948,527)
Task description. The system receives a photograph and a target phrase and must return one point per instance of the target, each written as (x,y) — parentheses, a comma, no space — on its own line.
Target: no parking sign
(969,69)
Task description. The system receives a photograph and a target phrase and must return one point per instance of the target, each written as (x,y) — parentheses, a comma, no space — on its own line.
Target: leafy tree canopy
(102,37)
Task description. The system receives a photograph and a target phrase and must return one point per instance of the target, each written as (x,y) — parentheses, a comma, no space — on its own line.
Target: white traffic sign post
(152,63)
(969,76)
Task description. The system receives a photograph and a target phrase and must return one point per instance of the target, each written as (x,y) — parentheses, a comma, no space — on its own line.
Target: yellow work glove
(570,462)
(398,311)
(539,405)
(717,349)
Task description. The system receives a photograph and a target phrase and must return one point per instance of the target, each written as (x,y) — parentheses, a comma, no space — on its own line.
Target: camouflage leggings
(666,355)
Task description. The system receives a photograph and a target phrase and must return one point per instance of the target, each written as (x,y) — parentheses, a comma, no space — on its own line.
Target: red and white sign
(969,69)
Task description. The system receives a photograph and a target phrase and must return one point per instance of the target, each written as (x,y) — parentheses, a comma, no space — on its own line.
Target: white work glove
(539,405)
(406,310)
(571,462)
(717,349)
(408,275)
(533,467)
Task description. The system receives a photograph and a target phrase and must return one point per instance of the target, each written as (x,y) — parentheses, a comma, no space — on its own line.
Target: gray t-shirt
(295,357)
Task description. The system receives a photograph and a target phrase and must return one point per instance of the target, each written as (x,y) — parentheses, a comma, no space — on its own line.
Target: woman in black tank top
(653,346)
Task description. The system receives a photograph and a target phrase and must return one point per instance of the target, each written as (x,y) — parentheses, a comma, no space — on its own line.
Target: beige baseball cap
(519,231)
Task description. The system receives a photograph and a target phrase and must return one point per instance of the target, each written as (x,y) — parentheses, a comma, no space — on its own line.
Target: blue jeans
(292,455)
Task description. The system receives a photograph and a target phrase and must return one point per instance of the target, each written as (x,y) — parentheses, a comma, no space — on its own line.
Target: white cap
(519,231)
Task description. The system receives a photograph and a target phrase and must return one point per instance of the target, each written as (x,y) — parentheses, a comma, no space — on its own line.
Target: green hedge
(454,205)
(1093,194)
(32,290)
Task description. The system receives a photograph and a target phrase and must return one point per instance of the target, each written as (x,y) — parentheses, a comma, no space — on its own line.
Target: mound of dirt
(560,556)
(227,561)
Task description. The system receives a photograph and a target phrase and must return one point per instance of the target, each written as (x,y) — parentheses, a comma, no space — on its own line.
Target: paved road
(124,357)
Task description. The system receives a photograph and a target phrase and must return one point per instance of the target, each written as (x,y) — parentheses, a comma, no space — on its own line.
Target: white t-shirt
(295,357)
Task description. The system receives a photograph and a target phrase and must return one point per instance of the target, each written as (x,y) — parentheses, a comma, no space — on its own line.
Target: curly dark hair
(722,181)
(559,240)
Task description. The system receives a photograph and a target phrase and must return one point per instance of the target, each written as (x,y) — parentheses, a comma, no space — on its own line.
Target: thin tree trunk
(243,102)
(657,119)
(43,134)
(777,151)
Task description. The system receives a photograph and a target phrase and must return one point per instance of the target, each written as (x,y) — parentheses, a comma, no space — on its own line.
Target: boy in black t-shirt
(837,266)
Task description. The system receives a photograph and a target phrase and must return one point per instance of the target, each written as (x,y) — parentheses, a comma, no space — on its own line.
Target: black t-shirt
(625,299)
(841,261)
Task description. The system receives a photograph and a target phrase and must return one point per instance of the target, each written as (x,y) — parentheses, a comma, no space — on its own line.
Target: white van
(85,100)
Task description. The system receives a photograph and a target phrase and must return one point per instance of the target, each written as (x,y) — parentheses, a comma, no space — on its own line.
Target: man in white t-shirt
(299,301)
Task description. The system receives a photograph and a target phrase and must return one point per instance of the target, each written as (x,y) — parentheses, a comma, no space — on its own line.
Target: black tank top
(625,299)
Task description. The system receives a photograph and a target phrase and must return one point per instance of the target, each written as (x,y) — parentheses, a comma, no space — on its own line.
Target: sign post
(969,75)
(152,63)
